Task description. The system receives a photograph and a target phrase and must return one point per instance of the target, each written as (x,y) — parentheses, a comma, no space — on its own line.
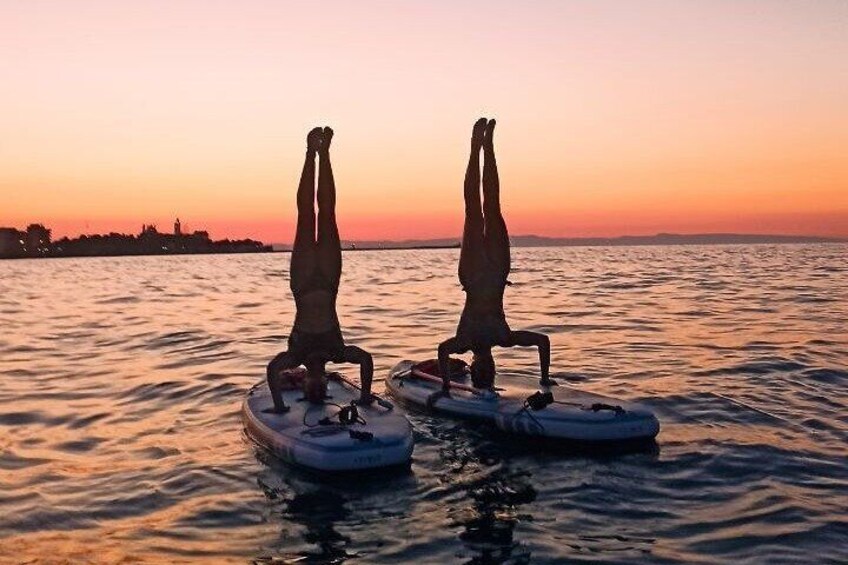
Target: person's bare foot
(477,133)
(327,139)
(489,140)
(313,139)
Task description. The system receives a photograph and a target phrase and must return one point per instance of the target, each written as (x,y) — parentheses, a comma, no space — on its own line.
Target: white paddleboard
(573,415)
(299,437)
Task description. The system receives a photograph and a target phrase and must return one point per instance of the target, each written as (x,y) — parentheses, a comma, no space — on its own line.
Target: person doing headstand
(316,268)
(484,264)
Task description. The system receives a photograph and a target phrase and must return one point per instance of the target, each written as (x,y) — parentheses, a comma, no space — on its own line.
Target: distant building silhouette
(12,242)
(36,242)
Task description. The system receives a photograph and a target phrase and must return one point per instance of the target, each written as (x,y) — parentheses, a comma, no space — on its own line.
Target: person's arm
(358,356)
(445,349)
(279,363)
(545,361)
(541,341)
(366,375)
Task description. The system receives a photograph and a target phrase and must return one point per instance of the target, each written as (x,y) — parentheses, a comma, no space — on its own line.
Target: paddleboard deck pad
(318,437)
(519,407)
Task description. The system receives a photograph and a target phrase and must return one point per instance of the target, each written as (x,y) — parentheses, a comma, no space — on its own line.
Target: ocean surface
(121,381)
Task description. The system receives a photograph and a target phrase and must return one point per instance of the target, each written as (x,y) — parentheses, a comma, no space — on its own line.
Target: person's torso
(484,300)
(316,311)
(484,289)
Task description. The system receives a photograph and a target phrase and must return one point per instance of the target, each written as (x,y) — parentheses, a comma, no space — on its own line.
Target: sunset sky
(614,117)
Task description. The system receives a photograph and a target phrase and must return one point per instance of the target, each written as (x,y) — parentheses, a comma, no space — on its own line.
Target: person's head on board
(483,369)
(315,384)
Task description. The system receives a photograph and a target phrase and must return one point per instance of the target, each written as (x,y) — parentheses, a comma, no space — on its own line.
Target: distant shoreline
(36,242)
(621,241)
(227,247)
(114,255)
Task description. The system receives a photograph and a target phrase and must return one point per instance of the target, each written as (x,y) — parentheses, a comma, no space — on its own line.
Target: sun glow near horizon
(613,118)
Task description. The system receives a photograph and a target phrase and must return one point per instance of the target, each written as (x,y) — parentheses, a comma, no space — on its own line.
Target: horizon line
(458,238)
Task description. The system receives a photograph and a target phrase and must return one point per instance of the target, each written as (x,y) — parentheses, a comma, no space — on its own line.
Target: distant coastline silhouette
(316,269)
(617,241)
(36,241)
(15,244)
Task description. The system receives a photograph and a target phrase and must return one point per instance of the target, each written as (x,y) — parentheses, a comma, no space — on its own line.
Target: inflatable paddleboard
(321,436)
(517,406)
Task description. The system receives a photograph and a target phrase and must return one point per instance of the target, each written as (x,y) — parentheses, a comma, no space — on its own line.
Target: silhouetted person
(483,271)
(316,268)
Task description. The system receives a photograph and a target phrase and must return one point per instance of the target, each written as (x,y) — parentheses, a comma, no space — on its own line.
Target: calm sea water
(121,381)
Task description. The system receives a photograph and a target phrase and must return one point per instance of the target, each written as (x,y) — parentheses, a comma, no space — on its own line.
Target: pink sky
(614,117)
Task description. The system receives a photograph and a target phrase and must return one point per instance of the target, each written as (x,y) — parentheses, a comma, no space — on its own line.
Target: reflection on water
(121,381)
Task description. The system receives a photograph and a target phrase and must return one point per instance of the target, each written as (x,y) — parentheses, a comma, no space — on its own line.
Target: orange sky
(614,117)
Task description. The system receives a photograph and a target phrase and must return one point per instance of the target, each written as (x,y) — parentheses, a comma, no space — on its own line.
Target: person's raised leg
(497,237)
(525,338)
(358,356)
(303,251)
(281,362)
(329,246)
(472,233)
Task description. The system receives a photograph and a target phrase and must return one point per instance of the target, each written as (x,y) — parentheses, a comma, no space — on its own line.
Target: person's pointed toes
(327,138)
(313,138)
(490,132)
(479,130)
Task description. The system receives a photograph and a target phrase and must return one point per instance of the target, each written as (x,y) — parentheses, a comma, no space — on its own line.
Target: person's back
(484,301)
(483,320)
(484,287)
(316,311)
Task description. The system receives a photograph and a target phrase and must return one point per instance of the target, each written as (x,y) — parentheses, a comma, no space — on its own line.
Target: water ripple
(120,439)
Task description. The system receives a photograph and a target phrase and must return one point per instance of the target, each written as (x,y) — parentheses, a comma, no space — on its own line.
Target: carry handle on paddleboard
(434,379)
(381,402)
